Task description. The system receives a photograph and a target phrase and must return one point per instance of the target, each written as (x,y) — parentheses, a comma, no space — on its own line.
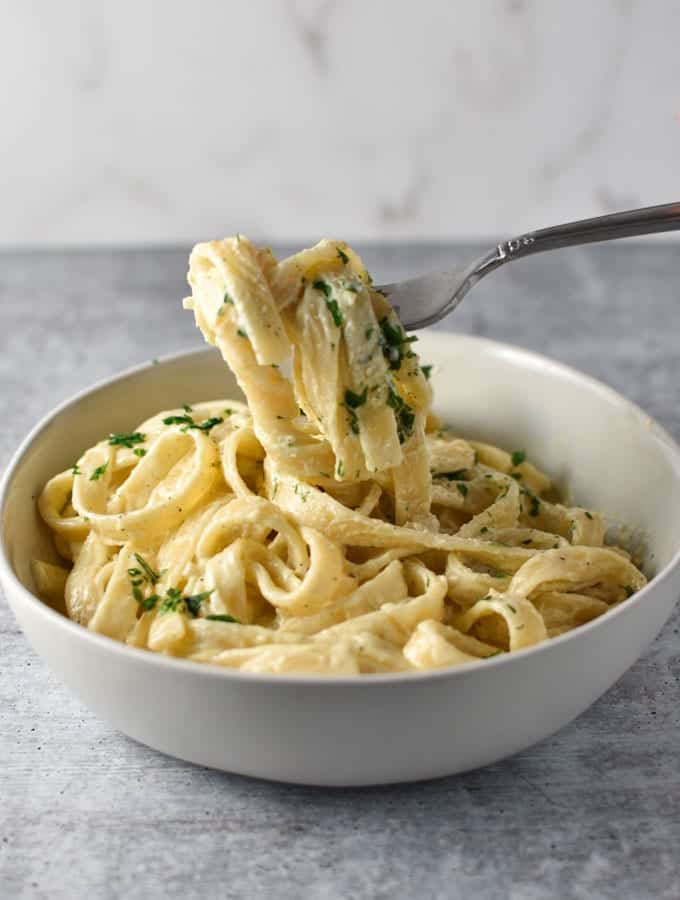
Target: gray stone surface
(593,812)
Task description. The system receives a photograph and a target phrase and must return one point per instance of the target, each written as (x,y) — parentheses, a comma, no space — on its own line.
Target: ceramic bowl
(381,728)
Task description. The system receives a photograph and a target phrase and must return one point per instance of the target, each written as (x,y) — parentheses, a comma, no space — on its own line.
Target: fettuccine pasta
(330,526)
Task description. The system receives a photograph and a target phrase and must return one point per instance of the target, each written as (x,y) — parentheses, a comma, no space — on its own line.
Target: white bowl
(381,728)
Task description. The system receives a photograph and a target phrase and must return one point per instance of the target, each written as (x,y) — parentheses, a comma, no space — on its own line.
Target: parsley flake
(354,401)
(187,422)
(126,440)
(404,415)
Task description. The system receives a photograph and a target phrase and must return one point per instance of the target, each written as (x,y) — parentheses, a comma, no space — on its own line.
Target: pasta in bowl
(331,526)
(348,730)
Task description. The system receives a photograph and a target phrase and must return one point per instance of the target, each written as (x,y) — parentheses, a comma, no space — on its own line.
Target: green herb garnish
(223,617)
(148,603)
(193,603)
(75,470)
(427,371)
(518,457)
(173,600)
(343,256)
(126,440)
(354,401)
(368,334)
(187,422)
(98,472)
(334,310)
(340,468)
(463,488)
(588,515)
(321,285)
(629,590)
(395,344)
(403,414)
(534,504)
(151,576)
(139,451)
(241,333)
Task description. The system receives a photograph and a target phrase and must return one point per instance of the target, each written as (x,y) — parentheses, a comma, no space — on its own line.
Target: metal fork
(424,300)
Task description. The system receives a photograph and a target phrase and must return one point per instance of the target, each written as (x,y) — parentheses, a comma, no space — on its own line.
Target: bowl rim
(518,355)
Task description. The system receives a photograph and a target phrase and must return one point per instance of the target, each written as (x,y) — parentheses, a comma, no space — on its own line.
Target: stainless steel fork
(424,300)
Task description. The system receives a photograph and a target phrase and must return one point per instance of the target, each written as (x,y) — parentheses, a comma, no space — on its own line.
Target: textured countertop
(593,812)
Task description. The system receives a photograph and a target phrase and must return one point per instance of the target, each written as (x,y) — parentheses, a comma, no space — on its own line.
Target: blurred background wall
(290,119)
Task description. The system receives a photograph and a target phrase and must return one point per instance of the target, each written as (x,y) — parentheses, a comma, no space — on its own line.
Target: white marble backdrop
(383,119)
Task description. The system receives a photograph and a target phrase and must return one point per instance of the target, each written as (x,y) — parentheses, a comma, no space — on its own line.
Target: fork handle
(633,222)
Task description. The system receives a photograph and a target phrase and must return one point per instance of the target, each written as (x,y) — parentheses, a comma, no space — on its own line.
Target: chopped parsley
(320,285)
(629,590)
(483,530)
(588,515)
(75,470)
(334,310)
(463,488)
(427,371)
(534,502)
(227,298)
(127,440)
(149,574)
(173,600)
(98,472)
(139,576)
(395,344)
(518,457)
(331,304)
(368,333)
(223,617)
(511,608)
(343,256)
(403,414)
(354,401)
(139,451)
(193,603)
(149,603)
(241,333)
(340,468)
(187,422)
(496,573)
(186,408)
